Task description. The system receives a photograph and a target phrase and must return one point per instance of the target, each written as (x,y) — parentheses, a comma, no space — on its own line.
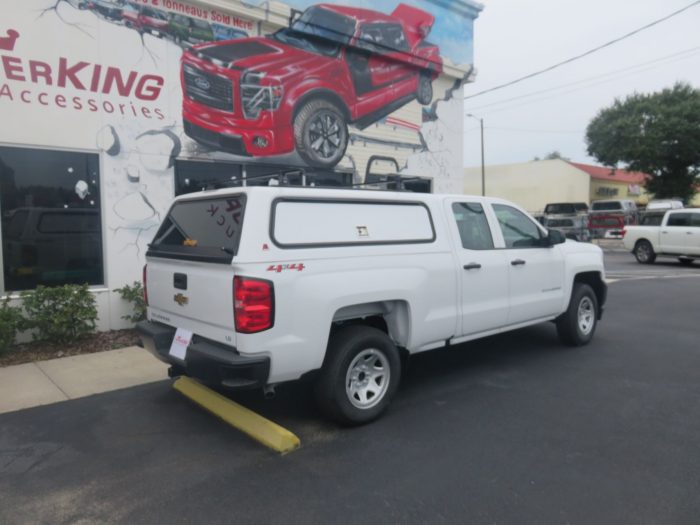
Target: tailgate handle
(180,281)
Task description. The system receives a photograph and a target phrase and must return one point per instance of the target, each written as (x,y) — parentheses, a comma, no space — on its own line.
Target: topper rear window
(310,223)
(205,230)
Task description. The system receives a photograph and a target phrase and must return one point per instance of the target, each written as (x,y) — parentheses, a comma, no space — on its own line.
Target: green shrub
(134,295)
(60,314)
(10,322)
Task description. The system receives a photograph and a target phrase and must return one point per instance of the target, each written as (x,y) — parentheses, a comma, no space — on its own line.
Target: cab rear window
(207,230)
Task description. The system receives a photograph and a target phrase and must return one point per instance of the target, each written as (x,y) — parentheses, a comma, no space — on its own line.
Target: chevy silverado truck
(254,286)
(677,236)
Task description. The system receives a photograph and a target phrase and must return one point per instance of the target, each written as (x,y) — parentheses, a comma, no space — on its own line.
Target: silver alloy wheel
(586,315)
(643,252)
(325,134)
(367,378)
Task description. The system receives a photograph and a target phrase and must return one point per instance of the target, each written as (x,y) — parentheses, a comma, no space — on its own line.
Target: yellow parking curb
(263,430)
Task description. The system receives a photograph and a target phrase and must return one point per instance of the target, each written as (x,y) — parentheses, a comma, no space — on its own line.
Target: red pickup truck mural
(300,88)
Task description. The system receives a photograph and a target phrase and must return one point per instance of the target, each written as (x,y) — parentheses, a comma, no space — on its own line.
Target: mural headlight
(256,97)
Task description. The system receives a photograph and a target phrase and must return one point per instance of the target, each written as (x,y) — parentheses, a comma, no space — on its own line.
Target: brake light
(145,286)
(253,304)
(623,232)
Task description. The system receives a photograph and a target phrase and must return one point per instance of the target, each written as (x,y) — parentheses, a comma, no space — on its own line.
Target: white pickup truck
(251,287)
(678,235)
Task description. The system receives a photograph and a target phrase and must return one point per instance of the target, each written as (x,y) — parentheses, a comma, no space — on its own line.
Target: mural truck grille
(211,90)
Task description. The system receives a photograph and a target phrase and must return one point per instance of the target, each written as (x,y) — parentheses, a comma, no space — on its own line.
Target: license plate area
(181,340)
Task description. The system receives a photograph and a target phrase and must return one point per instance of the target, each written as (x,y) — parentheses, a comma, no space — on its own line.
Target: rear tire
(644,252)
(577,325)
(360,375)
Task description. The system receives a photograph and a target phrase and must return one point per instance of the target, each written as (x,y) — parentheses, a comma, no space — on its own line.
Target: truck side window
(473,226)
(695,220)
(519,231)
(679,219)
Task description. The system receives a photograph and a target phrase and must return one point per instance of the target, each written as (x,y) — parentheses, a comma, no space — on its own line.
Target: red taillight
(623,232)
(253,304)
(145,287)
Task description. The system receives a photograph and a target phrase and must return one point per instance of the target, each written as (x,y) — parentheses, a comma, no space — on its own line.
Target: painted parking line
(254,425)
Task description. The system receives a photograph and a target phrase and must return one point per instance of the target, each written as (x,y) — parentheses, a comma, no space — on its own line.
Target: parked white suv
(255,286)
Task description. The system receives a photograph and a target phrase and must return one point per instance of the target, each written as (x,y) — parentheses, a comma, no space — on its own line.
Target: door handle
(517,262)
(689,233)
(664,232)
(472,266)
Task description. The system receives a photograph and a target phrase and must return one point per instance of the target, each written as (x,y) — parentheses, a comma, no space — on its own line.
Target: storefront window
(51,221)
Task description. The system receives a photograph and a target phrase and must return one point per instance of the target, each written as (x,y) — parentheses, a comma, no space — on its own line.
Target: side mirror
(555,237)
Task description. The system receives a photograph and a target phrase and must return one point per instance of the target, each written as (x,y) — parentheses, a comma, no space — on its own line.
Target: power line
(586,53)
(573,90)
(522,130)
(618,72)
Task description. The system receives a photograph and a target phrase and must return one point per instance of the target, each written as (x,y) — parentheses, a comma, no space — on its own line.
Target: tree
(656,133)
(552,155)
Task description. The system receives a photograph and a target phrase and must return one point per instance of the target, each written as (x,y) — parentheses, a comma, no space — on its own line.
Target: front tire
(644,252)
(577,325)
(320,134)
(360,376)
(424,94)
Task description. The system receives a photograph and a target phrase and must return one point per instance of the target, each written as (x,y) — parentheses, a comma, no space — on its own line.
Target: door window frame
(497,227)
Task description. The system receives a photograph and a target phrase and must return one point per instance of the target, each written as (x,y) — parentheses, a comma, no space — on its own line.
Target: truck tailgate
(194,296)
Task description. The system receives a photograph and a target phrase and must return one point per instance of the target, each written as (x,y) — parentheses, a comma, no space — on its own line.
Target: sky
(513,38)
(452,31)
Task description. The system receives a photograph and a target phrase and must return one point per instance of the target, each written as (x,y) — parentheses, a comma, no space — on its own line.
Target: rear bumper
(211,362)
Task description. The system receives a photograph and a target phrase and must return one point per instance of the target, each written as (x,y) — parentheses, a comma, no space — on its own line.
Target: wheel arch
(595,281)
(391,317)
(322,94)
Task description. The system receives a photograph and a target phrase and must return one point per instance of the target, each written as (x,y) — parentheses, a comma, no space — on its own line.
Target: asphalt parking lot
(515,428)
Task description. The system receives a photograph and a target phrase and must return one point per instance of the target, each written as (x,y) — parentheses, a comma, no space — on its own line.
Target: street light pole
(483,166)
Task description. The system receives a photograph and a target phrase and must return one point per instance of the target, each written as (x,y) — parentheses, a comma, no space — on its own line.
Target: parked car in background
(664,204)
(222,32)
(152,21)
(677,236)
(625,208)
(301,87)
(111,9)
(192,30)
(130,15)
(606,226)
(565,208)
(571,218)
(651,218)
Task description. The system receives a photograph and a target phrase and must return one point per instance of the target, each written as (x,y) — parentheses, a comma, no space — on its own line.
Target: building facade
(534,184)
(112,108)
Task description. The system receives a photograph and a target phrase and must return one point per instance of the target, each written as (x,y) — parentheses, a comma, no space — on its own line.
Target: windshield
(318,30)
(607,206)
(201,229)
(560,208)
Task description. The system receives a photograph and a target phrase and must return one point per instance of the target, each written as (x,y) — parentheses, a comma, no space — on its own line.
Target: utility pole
(483,165)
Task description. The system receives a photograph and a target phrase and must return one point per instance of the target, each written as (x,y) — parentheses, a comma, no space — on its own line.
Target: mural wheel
(425,90)
(320,134)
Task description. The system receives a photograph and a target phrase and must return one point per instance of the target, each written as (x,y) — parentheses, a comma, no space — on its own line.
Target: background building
(108,113)
(534,184)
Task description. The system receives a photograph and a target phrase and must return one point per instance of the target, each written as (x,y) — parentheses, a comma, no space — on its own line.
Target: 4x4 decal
(281,267)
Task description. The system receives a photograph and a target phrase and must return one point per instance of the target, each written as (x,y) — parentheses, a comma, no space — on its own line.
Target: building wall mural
(295,84)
